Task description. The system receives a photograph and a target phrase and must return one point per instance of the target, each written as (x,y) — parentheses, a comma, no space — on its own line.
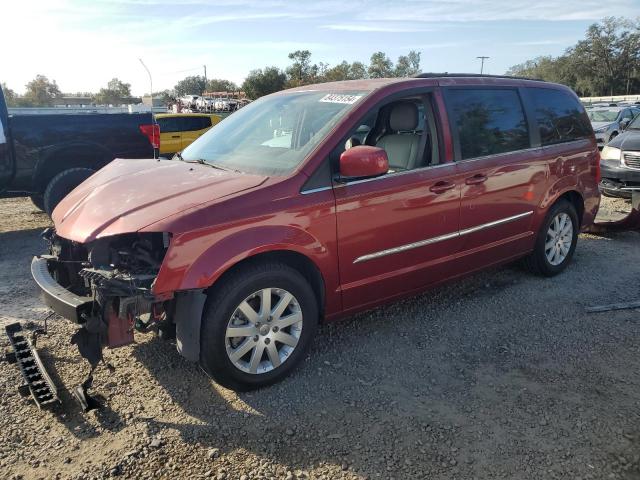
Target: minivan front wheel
(556,241)
(257,326)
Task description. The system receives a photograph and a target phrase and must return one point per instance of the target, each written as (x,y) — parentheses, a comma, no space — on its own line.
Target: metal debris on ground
(629,223)
(614,306)
(37,381)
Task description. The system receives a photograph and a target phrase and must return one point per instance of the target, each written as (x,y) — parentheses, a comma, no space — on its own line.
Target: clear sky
(84,43)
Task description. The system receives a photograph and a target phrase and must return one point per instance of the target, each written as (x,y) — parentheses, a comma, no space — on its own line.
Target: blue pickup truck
(45,156)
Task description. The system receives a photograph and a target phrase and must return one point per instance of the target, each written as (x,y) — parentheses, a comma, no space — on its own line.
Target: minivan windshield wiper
(201,161)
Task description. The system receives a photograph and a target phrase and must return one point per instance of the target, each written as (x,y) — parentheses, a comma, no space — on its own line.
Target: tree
(301,72)
(345,71)
(380,66)
(608,54)
(9,95)
(606,62)
(194,85)
(357,71)
(220,85)
(41,92)
(165,96)
(115,94)
(263,82)
(342,71)
(408,65)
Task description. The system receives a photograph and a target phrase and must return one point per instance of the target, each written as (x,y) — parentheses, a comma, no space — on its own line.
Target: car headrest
(403,116)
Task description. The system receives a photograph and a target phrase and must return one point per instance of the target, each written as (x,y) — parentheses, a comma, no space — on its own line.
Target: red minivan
(315,203)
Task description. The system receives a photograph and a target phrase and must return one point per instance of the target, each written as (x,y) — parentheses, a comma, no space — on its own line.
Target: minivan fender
(555,191)
(189,266)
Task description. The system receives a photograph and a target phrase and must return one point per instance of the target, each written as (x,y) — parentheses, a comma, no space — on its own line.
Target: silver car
(608,122)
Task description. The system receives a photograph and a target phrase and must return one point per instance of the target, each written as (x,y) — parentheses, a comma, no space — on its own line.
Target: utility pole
(205,78)
(482,59)
(151,95)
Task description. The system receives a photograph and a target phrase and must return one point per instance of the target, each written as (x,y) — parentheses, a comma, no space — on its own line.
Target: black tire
(38,202)
(221,305)
(537,262)
(62,184)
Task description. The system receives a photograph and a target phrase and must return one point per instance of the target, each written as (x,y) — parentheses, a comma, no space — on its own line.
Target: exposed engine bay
(112,278)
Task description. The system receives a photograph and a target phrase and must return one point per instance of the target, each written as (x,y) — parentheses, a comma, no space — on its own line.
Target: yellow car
(178,130)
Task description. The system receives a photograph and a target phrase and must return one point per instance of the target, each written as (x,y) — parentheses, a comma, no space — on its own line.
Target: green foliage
(301,72)
(606,62)
(9,95)
(345,71)
(263,82)
(40,92)
(357,71)
(408,65)
(165,96)
(193,85)
(380,66)
(221,85)
(115,94)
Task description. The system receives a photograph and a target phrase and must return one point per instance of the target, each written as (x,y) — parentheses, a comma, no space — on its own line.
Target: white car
(189,101)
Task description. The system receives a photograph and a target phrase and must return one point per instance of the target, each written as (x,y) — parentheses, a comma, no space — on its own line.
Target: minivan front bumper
(618,179)
(62,301)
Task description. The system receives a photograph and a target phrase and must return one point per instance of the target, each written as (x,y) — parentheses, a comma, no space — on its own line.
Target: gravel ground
(501,375)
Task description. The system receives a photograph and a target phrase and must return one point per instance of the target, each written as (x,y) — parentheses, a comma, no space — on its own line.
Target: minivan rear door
(7,162)
(504,178)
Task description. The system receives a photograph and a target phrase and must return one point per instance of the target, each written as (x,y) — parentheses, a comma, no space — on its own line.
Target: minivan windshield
(274,134)
(603,115)
(635,123)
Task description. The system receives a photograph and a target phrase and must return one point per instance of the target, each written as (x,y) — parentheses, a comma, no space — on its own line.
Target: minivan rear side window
(487,121)
(560,117)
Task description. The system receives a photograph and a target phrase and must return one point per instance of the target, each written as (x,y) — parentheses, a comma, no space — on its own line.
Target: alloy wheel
(264,330)
(559,239)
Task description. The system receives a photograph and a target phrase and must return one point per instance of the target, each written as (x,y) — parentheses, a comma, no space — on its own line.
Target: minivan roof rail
(474,75)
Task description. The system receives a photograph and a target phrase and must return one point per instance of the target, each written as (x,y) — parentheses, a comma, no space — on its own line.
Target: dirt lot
(502,375)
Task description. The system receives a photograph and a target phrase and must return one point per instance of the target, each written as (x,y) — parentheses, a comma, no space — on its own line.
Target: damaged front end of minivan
(105,286)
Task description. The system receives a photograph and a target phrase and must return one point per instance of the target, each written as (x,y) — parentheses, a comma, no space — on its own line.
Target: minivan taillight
(152,132)
(598,172)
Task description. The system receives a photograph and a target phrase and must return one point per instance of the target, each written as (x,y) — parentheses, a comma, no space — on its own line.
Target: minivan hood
(127,195)
(629,140)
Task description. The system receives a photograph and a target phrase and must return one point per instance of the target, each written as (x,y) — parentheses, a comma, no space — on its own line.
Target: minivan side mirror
(624,123)
(363,161)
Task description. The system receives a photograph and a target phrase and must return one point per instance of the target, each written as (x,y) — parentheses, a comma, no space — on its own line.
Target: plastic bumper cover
(58,298)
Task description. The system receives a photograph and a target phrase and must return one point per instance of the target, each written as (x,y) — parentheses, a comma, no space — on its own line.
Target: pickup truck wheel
(257,326)
(556,242)
(615,193)
(62,184)
(38,201)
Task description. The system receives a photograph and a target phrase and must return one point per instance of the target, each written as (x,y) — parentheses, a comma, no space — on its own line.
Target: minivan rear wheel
(556,241)
(257,326)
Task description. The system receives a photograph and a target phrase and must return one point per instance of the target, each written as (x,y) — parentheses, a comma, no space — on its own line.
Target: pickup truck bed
(45,156)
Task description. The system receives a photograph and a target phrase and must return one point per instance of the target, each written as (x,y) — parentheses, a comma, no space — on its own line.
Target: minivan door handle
(476,179)
(441,187)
